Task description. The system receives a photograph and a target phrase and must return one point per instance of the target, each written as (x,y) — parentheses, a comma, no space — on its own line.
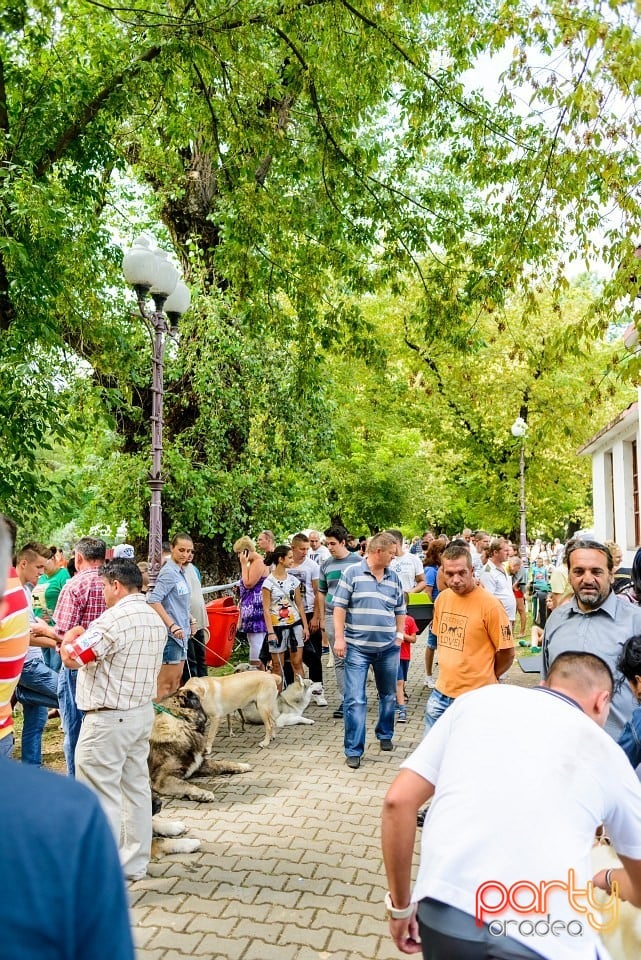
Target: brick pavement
(290,865)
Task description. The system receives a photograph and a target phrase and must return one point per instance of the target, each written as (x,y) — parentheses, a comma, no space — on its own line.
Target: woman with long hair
(284,613)
(251,618)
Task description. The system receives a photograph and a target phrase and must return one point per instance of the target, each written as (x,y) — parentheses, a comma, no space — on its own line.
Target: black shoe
(338,714)
(386,745)
(353,762)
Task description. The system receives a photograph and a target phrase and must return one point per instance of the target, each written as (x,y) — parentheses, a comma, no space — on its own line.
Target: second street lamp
(519,431)
(150,271)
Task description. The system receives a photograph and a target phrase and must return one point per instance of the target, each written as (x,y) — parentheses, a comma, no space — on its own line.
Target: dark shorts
(287,638)
(403,668)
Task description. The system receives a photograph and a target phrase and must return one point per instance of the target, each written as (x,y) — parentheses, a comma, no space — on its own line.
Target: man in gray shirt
(594,621)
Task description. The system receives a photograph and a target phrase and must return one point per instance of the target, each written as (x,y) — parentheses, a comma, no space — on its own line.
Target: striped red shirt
(14,640)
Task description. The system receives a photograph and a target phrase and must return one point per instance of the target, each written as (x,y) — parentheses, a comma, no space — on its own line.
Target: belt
(114,709)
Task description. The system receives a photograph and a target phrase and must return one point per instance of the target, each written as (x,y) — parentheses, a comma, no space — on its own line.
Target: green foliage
(376,247)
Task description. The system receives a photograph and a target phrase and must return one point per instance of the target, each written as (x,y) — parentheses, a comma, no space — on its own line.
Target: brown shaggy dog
(177,749)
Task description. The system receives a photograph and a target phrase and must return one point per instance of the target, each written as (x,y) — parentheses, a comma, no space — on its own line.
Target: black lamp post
(150,271)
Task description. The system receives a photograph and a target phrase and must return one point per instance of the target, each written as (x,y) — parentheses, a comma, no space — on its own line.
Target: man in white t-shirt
(489,885)
(480,542)
(407,566)
(307,573)
(496,580)
(318,552)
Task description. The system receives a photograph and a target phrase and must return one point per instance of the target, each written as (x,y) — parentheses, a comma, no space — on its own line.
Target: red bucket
(222,615)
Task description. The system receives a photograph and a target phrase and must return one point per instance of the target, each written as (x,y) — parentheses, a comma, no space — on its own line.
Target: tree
(299,155)
(423,433)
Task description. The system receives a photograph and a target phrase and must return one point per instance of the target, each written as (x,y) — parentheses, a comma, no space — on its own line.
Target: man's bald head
(587,679)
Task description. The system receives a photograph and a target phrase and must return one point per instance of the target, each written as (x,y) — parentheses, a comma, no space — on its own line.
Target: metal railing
(219,588)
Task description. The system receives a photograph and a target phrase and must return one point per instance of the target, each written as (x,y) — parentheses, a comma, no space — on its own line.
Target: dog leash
(160,709)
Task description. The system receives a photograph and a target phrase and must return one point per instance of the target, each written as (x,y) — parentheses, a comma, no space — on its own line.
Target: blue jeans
(6,746)
(37,692)
(339,662)
(630,739)
(70,715)
(436,705)
(52,658)
(357,663)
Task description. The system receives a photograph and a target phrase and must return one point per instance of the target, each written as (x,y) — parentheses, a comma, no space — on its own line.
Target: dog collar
(160,709)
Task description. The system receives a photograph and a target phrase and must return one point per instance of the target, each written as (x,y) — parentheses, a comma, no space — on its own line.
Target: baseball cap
(123,551)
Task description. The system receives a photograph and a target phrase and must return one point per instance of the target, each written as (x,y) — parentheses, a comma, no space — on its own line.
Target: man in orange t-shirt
(14,635)
(475,643)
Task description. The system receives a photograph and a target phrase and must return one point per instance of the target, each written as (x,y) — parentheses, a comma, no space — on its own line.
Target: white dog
(290,705)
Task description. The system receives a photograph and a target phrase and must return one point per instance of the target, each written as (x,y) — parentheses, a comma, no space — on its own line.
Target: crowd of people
(570,753)
(101,645)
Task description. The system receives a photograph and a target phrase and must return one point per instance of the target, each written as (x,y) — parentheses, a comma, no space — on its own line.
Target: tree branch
(213,24)
(4,112)
(90,111)
(214,122)
(461,104)
(458,411)
(341,153)
(555,138)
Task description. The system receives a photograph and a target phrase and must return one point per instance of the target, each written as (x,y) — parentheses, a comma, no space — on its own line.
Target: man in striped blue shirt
(369,623)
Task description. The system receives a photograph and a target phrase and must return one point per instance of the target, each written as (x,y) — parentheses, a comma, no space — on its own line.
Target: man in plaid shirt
(81,600)
(118,658)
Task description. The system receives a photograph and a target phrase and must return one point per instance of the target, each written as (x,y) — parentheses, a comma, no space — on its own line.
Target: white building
(615,476)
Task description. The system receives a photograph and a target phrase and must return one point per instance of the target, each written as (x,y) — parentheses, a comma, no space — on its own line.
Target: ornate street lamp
(150,271)
(519,431)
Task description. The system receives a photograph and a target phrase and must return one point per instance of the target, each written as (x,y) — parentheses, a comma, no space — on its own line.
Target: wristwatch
(393,912)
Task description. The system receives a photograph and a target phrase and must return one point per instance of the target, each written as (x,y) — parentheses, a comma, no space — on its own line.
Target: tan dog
(221,696)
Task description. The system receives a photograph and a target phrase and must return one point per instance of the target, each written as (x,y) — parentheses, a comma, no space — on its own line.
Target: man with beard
(594,621)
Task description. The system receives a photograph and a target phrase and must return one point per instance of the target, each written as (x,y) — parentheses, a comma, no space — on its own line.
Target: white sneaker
(318,695)
(430,682)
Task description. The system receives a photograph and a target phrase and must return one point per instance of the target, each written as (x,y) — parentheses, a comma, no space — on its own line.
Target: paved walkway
(290,865)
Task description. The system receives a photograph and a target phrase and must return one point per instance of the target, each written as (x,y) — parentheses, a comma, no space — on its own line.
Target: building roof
(621,423)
